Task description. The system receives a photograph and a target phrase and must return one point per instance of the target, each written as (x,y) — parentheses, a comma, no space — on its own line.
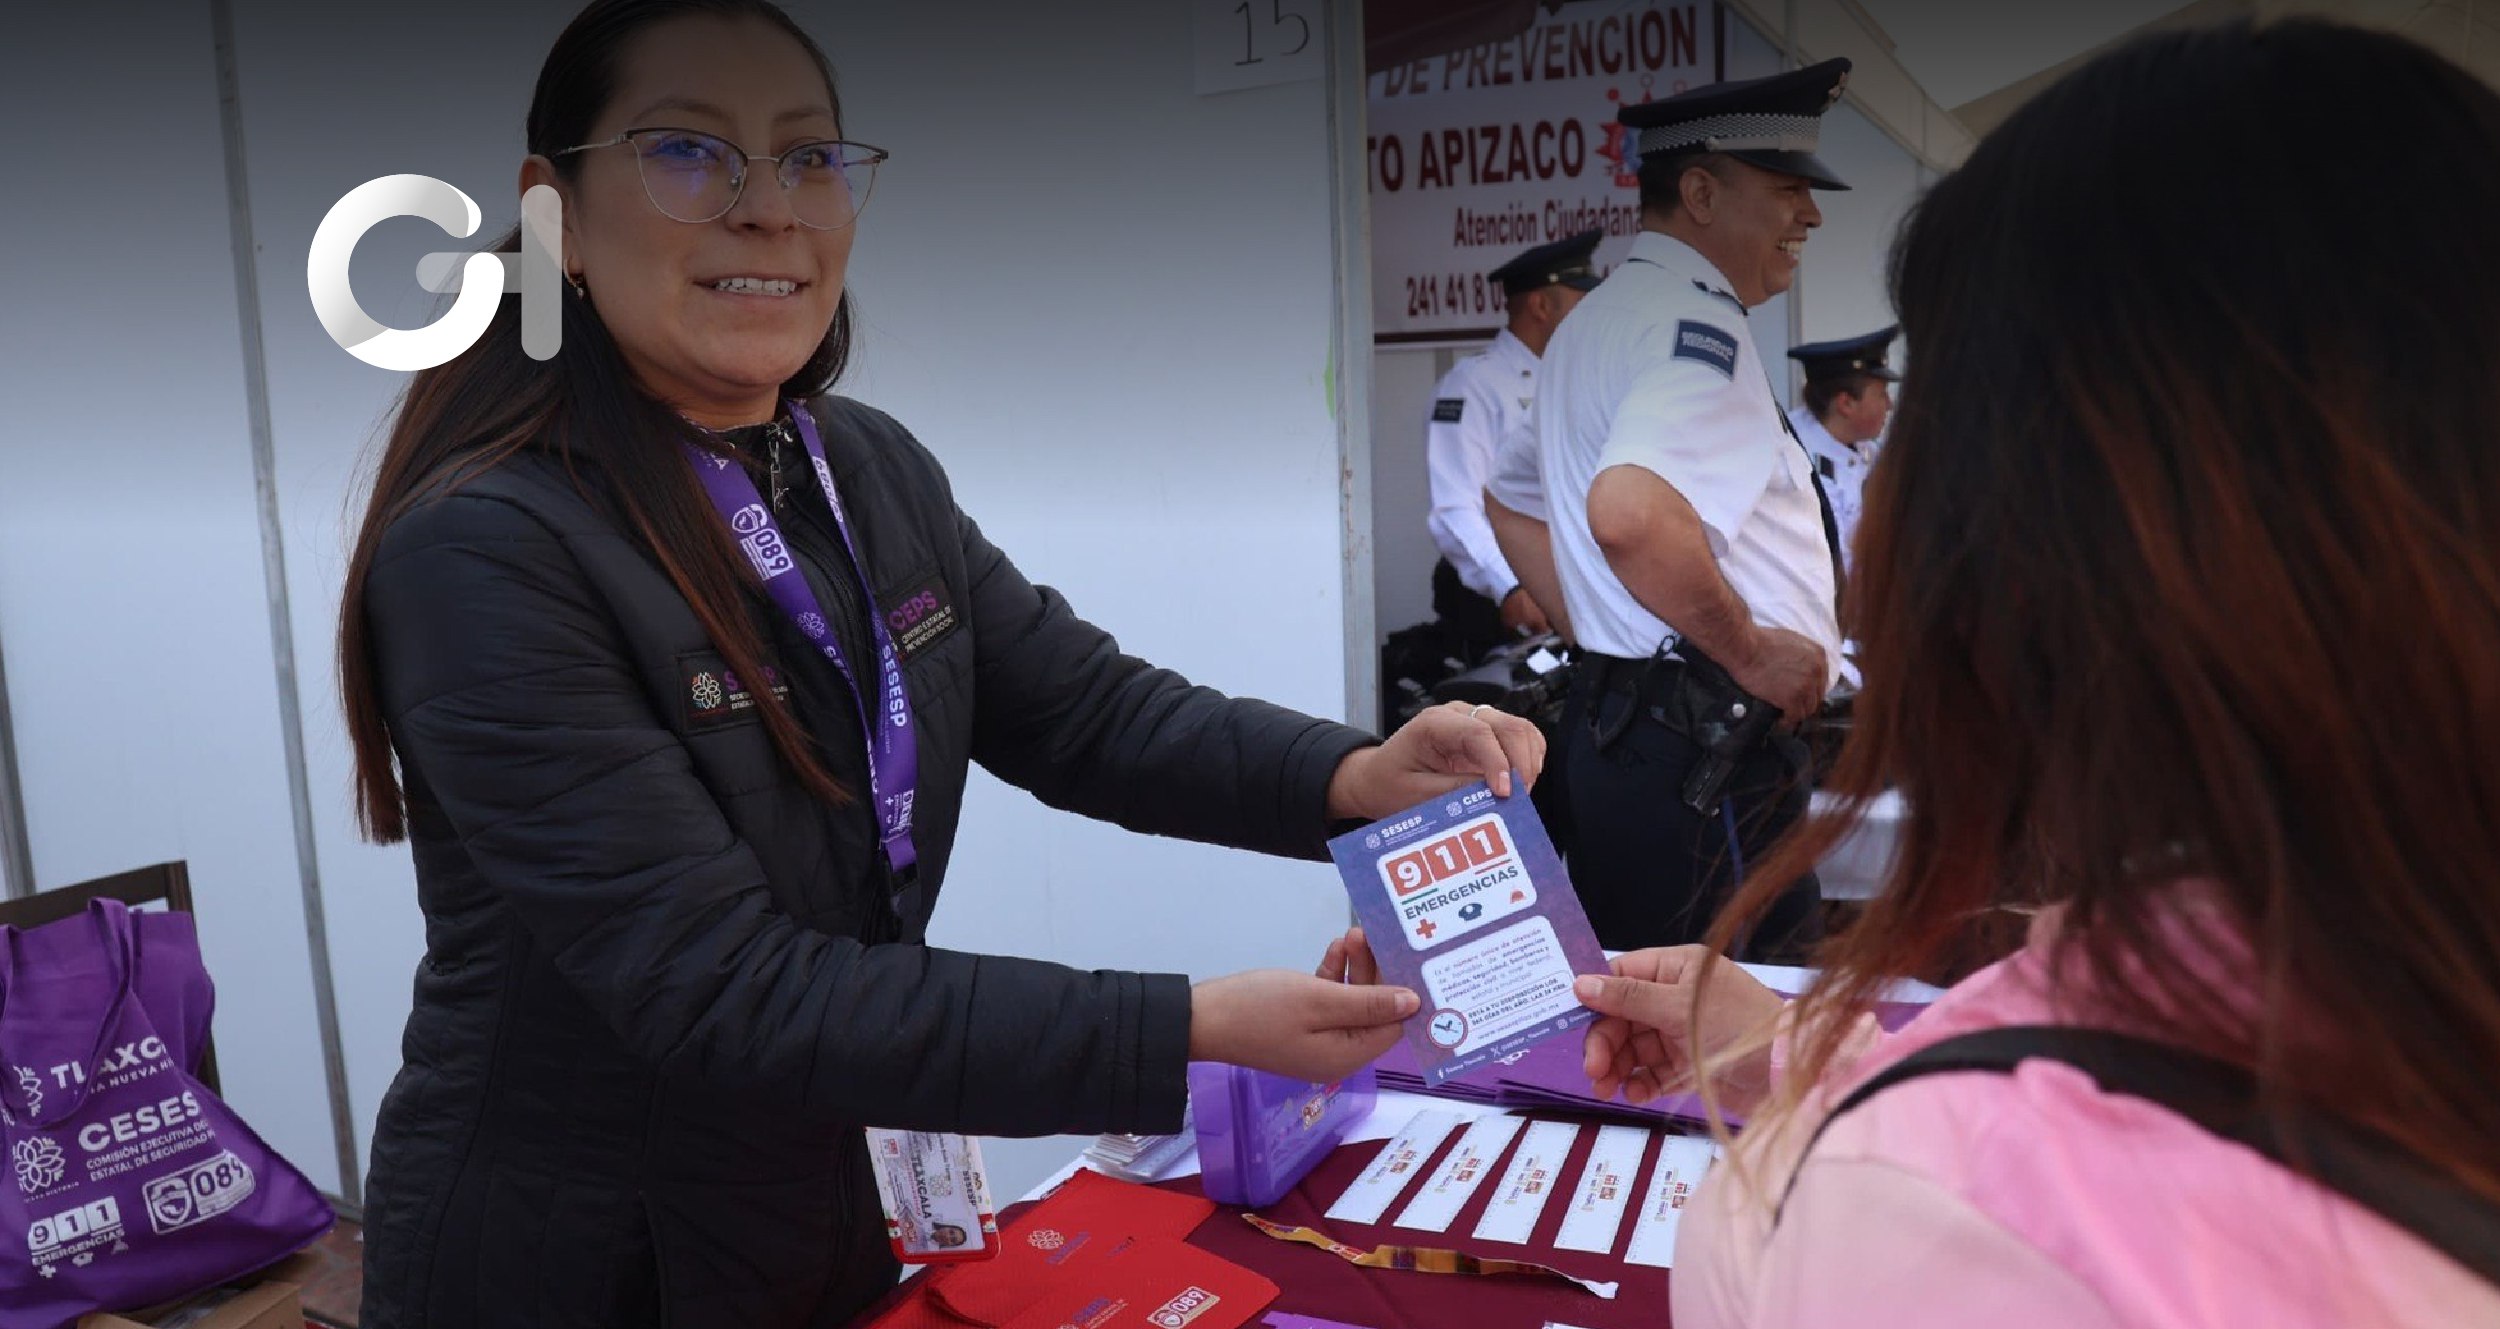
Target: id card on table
(1465,901)
(936,1196)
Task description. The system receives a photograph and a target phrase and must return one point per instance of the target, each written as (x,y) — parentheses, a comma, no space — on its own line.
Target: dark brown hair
(623,447)
(1820,393)
(2180,564)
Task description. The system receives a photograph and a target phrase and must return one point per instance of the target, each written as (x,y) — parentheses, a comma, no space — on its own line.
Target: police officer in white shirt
(1483,398)
(1695,553)
(1848,396)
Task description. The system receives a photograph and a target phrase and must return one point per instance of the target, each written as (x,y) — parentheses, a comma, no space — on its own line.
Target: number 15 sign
(1252,43)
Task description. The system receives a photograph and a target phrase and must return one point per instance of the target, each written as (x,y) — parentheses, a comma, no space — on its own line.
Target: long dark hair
(2183,561)
(623,447)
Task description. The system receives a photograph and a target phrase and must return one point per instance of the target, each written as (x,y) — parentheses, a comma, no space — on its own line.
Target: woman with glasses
(2183,624)
(670,666)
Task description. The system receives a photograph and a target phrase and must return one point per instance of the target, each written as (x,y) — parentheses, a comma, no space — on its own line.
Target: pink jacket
(2034,1200)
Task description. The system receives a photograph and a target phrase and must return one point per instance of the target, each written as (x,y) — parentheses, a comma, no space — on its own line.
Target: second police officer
(1484,397)
(1848,397)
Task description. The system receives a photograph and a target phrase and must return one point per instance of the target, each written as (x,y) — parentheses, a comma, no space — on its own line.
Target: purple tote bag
(129,1183)
(168,977)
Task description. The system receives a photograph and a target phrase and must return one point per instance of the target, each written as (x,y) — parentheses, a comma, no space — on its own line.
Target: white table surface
(1854,868)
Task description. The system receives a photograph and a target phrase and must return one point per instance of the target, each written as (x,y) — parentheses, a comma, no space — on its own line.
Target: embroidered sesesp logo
(713,696)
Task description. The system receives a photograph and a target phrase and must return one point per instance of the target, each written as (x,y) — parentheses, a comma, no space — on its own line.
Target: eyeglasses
(696,177)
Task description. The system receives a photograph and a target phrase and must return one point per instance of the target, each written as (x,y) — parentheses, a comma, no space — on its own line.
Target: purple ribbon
(893,754)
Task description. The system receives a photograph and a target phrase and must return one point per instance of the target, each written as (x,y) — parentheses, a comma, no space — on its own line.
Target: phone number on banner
(1428,294)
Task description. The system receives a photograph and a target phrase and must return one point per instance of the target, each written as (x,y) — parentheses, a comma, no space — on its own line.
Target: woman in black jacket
(670,668)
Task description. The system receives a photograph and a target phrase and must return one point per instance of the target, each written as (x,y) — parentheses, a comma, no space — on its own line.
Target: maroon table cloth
(1319,1283)
(1316,1282)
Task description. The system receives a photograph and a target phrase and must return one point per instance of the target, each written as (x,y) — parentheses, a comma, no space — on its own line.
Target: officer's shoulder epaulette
(1715,293)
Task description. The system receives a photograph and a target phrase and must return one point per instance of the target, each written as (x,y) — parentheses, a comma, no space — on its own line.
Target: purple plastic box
(1258,1134)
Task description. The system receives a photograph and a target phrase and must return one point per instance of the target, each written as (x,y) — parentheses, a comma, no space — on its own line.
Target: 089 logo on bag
(198,1193)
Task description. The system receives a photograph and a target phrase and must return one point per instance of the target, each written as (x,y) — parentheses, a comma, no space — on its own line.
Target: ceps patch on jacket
(921,617)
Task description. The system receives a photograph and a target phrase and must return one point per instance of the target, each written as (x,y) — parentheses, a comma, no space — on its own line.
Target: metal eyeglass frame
(737,182)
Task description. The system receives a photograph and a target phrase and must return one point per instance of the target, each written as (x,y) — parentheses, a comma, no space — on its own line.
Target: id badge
(936,1196)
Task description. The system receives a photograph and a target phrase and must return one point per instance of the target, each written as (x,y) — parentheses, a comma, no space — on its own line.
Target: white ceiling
(1963,49)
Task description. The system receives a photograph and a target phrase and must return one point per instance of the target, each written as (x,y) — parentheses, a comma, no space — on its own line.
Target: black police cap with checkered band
(1774,123)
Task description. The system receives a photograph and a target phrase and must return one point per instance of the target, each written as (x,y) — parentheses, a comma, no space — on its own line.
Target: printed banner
(1479,154)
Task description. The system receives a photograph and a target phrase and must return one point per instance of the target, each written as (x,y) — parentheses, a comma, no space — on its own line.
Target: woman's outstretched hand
(1437,751)
(1642,1044)
(1302,1026)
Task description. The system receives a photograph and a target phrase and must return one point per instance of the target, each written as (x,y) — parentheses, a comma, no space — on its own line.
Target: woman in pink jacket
(2180,596)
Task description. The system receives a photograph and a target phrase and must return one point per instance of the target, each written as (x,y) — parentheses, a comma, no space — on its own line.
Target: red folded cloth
(1083,1224)
(1041,1246)
(1151,1283)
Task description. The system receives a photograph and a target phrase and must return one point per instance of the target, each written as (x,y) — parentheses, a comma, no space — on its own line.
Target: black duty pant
(1474,623)
(1652,872)
(1552,794)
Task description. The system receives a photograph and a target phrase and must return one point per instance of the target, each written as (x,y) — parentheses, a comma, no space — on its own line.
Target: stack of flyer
(1142,1158)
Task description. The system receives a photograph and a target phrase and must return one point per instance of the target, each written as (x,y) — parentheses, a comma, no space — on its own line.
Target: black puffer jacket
(663,989)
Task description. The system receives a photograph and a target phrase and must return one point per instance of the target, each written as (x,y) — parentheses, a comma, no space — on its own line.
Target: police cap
(1774,123)
(1564,263)
(1847,356)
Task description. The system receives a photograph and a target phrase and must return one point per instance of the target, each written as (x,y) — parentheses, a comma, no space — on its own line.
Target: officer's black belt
(1653,686)
(1692,697)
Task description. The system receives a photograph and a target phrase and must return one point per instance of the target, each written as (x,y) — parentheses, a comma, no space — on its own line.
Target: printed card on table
(1683,1160)
(1604,1190)
(1465,901)
(1397,1164)
(1529,1183)
(1436,1206)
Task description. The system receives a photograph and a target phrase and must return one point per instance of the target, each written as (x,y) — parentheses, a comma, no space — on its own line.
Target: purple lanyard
(893,755)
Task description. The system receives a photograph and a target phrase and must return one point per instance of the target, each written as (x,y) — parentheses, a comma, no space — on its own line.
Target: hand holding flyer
(1465,901)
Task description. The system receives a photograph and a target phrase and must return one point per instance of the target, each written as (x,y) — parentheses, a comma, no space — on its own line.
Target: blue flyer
(1465,901)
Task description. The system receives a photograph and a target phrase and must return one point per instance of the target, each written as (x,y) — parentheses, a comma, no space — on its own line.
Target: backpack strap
(2222,1099)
